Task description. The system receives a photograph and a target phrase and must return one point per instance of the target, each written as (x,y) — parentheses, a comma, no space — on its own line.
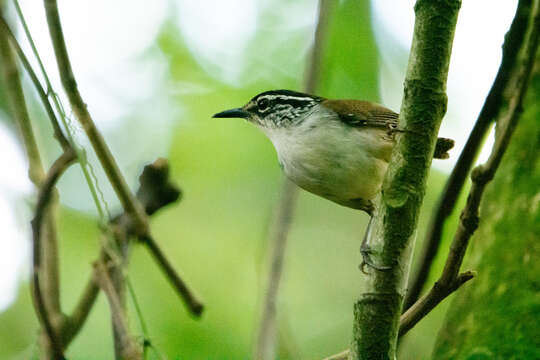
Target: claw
(366,261)
(366,251)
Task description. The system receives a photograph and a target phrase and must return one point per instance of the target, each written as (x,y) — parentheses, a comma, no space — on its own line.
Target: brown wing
(360,113)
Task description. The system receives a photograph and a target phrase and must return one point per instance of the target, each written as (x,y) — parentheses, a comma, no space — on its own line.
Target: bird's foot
(366,261)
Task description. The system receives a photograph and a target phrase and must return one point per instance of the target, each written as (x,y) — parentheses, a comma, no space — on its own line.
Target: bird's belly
(336,174)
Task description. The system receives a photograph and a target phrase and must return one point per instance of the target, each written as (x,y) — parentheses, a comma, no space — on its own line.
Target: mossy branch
(377,311)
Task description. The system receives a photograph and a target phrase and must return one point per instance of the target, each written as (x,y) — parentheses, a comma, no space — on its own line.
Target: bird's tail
(442,147)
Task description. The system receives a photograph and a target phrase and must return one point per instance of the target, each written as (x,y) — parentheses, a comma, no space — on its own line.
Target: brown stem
(194,305)
(44,197)
(128,347)
(155,192)
(265,345)
(129,203)
(436,294)
(492,106)
(58,134)
(45,274)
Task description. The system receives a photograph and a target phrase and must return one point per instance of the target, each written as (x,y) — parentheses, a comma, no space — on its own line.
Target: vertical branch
(377,311)
(514,39)
(45,253)
(266,337)
(126,347)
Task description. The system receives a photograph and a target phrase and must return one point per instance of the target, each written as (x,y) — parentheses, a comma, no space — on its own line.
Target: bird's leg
(366,251)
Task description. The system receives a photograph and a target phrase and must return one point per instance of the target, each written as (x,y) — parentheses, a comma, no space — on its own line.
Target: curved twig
(45,193)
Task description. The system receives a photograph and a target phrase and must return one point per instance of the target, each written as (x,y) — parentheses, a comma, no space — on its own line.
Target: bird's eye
(263,104)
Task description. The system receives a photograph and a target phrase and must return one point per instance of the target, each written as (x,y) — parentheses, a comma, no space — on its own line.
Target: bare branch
(266,336)
(155,192)
(129,203)
(265,345)
(48,306)
(18,108)
(492,107)
(58,134)
(130,350)
(422,307)
(193,304)
(44,197)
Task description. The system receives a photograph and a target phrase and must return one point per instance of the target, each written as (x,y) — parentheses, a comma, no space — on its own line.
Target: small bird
(337,149)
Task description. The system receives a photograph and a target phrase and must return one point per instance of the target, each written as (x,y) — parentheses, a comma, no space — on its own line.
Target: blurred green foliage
(216,235)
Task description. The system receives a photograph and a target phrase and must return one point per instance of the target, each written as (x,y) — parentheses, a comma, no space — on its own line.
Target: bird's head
(275,109)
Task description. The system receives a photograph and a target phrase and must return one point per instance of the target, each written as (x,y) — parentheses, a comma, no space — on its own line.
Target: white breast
(328,158)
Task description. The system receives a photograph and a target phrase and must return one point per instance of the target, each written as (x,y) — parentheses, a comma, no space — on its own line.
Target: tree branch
(194,305)
(424,104)
(481,176)
(18,108)
(44,198)
(58,134)
(492,107)
(45,272)
(155,192)
(129,349)
(265,345)
(129,203)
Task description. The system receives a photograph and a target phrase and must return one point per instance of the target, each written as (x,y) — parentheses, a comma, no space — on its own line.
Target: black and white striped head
(275,108)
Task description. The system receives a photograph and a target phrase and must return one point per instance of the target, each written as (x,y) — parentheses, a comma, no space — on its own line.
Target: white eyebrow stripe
(285,97)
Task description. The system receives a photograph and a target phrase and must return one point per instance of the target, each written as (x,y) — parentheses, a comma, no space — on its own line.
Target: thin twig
(47,308)
(491,108)
(264,348)
(76,320)
(424,305)
(131,206)
(129,348)
(155,192)
(481,176)
(44,197)
(17,104)
(58,134)
(194,305)
(81,154)
(265,345)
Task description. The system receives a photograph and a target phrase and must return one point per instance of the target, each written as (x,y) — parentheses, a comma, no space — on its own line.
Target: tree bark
(498,317)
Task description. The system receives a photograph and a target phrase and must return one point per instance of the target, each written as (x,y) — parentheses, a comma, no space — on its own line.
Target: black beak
(233,113)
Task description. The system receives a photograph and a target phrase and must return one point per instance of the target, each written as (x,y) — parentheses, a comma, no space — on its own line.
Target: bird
(338,149)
